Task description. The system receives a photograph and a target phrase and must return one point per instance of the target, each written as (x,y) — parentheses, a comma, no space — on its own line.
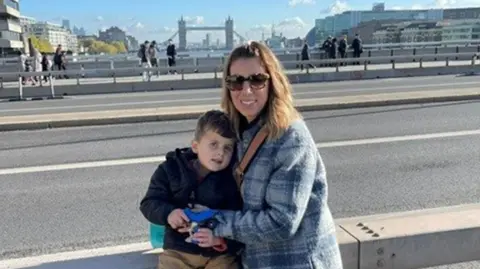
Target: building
(428,31)
(467,30)
(461,13)
(378,7)
(421,32)
(132,43)
(79,31)
(112,34)
(10,28)
(66,24)
(341,23)
(54,33)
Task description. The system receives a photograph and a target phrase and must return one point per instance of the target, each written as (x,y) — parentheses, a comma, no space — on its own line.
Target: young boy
(197,176)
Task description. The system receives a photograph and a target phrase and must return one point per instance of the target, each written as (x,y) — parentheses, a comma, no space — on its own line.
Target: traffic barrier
(334,73)
(403,240)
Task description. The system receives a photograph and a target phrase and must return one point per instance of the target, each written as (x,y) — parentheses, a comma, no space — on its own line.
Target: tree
(41,44)
(120,46)
(96,46)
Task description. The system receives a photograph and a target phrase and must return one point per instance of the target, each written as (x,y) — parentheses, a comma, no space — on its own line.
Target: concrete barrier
(290,62)
(375,72)
(404,240)
(9,123)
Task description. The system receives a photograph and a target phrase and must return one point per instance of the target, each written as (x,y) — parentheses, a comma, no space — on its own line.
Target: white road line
(319,92)
(158,159)
(68,166)
(397,139)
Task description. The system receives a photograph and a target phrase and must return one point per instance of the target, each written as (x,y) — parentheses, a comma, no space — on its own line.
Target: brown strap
(251,150)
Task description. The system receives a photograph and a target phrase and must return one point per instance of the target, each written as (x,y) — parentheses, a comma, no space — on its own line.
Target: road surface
(212,96)
(375,162)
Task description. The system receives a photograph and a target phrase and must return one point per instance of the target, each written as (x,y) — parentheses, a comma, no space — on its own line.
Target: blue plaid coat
(285,222)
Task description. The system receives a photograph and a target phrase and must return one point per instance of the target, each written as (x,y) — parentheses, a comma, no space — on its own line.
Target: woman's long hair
(280,110)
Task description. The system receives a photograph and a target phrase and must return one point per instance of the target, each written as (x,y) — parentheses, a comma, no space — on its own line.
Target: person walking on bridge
(143,54)
(171,54)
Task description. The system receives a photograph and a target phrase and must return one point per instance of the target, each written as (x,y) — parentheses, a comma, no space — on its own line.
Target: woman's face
(248,84)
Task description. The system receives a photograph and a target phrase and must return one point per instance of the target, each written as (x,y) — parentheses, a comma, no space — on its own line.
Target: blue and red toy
(200,218)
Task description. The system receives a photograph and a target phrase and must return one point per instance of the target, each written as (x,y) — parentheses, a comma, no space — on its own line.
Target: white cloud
(292,23)
(442,4)
(194,20)
(99,18)
(289,27)
(445,3)
(417,6)
(261,28)
(294,3)
(163,30)
(139,25)
(336,7)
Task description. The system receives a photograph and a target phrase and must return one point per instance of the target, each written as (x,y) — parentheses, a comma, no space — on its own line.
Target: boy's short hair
(216,121)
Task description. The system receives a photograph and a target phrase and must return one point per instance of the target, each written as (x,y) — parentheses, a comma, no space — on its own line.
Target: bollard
(52,88)
(20,87)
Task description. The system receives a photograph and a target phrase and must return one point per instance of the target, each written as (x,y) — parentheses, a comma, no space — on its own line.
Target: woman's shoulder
(296,138)
(296,132)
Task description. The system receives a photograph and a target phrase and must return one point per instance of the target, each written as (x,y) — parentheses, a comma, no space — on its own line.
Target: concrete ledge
(404,240)
(44,121)
(417,239)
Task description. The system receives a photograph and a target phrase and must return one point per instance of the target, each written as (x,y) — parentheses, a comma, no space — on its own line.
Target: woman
(285,221)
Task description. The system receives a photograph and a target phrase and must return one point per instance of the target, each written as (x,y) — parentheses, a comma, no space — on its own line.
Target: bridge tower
(229,33)
(182,34)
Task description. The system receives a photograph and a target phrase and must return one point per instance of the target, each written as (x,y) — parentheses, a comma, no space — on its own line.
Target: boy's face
(214,151)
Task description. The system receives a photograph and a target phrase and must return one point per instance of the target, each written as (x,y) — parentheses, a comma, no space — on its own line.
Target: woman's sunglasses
(257,81)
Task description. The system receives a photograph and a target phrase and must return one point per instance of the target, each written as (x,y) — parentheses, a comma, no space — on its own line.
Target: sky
(157,19)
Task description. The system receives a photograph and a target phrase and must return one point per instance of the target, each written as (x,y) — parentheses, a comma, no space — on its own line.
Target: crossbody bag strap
(248,156)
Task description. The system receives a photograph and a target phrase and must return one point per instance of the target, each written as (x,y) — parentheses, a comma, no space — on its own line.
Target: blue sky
(157,19)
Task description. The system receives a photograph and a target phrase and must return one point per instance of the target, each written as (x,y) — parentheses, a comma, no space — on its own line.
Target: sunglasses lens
(258,80)
(235,83)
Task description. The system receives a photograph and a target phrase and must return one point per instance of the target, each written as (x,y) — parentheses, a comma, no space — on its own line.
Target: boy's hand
(206,239)
(177,219)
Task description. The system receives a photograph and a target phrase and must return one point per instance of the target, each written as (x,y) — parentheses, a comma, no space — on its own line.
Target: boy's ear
(195,146)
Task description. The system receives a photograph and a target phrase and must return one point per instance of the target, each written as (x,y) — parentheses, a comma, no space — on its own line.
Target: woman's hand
(206,239)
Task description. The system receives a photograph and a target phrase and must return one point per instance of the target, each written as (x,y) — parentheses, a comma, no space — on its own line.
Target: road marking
(185,100)
(68,166)
(159,159)
(392,139)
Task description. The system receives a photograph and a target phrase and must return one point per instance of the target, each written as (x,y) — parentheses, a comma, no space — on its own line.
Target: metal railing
(278,51)
(217,69)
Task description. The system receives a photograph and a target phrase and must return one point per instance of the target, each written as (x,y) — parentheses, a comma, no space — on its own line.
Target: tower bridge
(183,29)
